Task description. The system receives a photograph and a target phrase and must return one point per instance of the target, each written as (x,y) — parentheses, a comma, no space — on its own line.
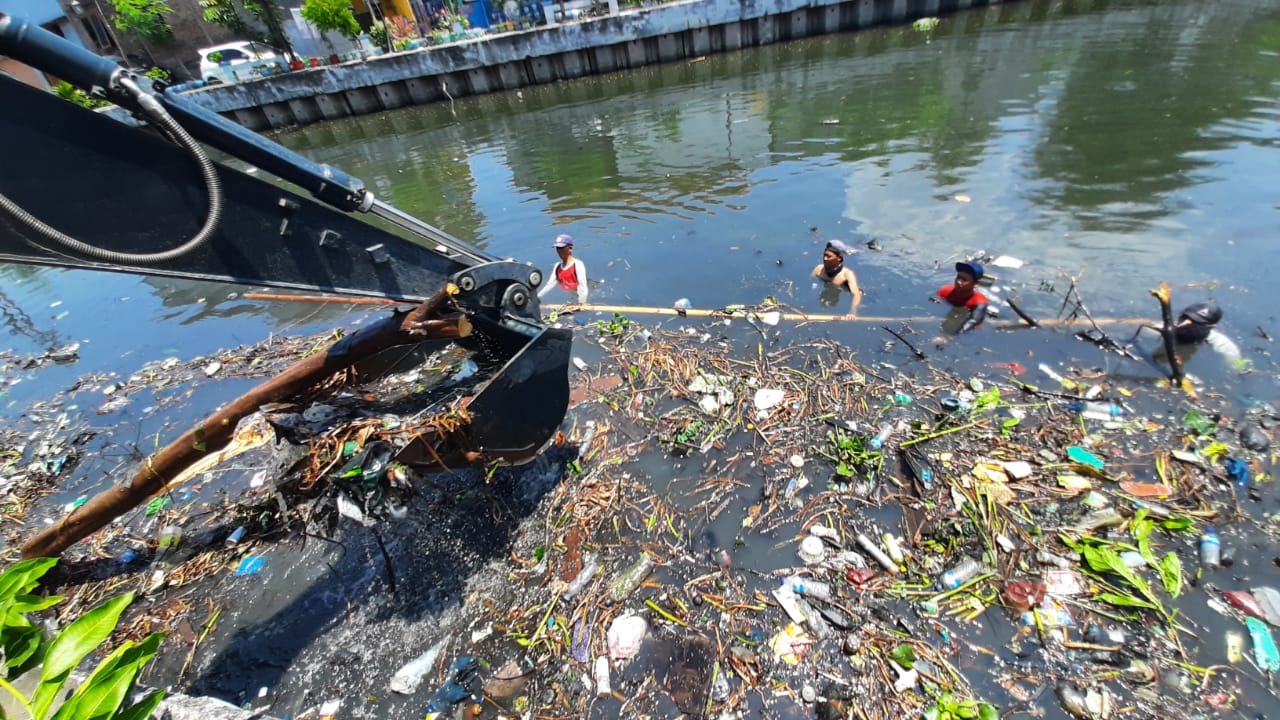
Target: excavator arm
(80,189)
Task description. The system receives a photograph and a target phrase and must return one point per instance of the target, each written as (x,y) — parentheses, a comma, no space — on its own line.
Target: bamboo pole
(214,432)
(815,317)
(694,312)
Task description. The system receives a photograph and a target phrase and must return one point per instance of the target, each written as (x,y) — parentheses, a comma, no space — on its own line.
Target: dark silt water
(1113,148)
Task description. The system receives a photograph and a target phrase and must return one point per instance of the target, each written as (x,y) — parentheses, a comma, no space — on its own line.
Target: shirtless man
(837,278)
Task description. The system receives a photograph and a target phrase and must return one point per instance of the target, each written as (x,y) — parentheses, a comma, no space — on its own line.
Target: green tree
(144,18)
(332,15)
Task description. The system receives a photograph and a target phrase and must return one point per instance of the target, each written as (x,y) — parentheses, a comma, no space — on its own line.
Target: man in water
(1197,325)
(963,293)
(570,274)
(836,278)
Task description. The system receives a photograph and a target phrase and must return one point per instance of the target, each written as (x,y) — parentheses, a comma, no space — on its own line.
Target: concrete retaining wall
(514,60)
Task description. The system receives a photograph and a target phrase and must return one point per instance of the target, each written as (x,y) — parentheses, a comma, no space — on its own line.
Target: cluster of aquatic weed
(852,454)
(614,327)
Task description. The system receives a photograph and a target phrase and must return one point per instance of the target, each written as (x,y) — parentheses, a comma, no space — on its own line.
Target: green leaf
(1176,524)
(904,655)
(145,708)
(24,604)
(20,645)
(108,686)
(97,699)
(1171,574)
(23,577)
(71,646)
(987,711)
(988,399)
(1196,422)
(1124,600)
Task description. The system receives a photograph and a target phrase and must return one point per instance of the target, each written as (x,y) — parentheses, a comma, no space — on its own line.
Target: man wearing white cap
(836,277)
(569,274)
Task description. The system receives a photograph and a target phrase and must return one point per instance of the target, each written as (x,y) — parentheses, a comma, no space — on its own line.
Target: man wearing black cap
(1197,325)
(964,293)
(836,277)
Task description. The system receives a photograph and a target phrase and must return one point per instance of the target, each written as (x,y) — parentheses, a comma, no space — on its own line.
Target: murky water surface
(1114,148)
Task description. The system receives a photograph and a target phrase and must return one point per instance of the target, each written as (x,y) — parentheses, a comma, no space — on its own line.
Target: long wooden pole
(214,432)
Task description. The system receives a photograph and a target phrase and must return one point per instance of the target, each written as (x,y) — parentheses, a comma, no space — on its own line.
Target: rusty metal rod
(213,433)
(324,299)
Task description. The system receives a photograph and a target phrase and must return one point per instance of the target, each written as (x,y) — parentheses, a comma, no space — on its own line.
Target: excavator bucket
(82,189)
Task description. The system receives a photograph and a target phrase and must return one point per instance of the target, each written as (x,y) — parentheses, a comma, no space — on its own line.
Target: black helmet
(1205,313)
(1203,317)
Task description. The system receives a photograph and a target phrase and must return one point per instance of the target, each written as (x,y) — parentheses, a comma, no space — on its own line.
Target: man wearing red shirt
(964,293)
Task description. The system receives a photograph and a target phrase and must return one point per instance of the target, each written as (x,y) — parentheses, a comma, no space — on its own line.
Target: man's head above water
(1195,322)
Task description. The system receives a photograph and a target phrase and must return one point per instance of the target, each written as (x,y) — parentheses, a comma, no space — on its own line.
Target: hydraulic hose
(67,244)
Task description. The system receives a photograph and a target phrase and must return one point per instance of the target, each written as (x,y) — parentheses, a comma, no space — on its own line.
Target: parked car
(219,63)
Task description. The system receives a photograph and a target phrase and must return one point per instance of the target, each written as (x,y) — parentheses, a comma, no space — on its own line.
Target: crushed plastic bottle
(409,677)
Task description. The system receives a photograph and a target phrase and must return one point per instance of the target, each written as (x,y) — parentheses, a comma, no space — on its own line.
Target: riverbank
(510,61)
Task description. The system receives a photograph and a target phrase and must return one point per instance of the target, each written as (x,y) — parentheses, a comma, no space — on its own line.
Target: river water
(1108,145)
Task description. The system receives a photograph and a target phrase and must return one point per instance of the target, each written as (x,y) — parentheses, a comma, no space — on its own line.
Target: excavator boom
(81,189)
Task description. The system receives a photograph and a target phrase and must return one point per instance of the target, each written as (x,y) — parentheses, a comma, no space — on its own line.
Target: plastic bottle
(964,571)
(896,553)
(1235,646)
(1210,548)
(1048,558)
(1097,410)
(235,537)
(589,569)
(1154,509)
(886,431)
(603,688)
(810,588)
(631,578)
(874,551)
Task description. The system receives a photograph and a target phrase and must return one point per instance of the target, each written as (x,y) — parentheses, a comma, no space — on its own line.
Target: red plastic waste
(1244,601)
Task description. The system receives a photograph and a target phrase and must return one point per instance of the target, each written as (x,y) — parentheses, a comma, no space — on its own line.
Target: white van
(223,63)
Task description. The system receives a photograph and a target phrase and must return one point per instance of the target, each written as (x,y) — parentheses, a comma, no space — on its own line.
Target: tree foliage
(144,18)
(331,15)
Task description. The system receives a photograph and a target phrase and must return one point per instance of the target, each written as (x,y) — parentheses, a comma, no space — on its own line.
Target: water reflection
(1075,134)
